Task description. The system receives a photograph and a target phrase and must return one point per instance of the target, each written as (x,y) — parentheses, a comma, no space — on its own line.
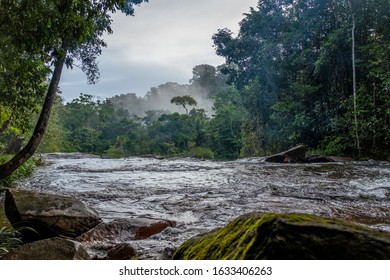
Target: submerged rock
(112,240)
(272,236)
(121,230)
(47,215)
(49,249)
(121,251)
(298,155)
(324,159)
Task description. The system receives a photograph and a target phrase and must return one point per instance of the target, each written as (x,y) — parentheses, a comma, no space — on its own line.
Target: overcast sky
(161,43)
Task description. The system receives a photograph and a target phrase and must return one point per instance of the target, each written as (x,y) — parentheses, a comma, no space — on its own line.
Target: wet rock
(340,159)
(49,249)
(69,156)
(372,162)
(122,230)
(152,156)
(298,155)
(324,159)
(121,251)
(258,236)
(318,159)
(47,215)
(293,155)
(278,158)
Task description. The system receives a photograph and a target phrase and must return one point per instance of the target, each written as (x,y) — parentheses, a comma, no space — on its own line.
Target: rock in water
(49,249)
(296,154)
(121,230)
(48,215)
(121,251)
(272,236)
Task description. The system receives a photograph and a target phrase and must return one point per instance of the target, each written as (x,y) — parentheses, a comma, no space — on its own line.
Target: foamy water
(203,195)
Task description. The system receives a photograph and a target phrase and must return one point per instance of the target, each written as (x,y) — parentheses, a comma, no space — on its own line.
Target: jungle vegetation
(313,72)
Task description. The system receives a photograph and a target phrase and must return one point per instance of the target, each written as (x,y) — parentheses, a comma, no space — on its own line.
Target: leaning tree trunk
(21,157)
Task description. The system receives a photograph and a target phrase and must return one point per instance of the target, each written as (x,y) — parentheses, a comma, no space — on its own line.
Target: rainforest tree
(312,72)
(184,101)
(53,33)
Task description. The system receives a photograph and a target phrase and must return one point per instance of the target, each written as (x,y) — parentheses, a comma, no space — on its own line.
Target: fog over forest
(159,99)
(313,73)
(205,83)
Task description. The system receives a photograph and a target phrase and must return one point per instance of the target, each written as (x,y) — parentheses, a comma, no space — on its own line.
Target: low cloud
(162,43)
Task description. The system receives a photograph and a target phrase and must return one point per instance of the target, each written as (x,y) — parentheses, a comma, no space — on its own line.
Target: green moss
(230,242)
(287,236)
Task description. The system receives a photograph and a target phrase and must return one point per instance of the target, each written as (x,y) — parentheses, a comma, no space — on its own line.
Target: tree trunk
(357,139)
(21,157)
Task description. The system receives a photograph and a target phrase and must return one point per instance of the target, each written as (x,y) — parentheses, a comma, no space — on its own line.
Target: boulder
(121,251)
(339,159)
(49,249)
(296,154)
(324,159)
(273,236)
(122,230)
(318,159)
(41,216)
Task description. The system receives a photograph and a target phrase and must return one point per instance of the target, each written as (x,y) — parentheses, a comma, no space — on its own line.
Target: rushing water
(203,195)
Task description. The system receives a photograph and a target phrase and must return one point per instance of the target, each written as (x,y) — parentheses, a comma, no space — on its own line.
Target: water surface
(203,195)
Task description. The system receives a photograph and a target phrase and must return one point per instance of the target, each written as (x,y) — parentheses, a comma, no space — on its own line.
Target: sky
(161,43)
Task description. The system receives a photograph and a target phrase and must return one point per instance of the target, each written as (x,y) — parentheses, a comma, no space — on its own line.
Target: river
(203,195)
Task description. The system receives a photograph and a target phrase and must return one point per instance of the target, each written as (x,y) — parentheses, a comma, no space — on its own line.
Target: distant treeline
(298,72)
(120,126)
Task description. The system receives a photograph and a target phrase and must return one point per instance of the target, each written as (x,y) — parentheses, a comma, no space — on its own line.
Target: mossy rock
(257,236)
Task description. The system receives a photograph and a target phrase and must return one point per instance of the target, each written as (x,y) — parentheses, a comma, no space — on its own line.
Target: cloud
(161,43)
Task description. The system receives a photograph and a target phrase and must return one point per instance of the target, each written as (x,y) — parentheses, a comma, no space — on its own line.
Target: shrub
(24,171)
(201,153)
(9,239)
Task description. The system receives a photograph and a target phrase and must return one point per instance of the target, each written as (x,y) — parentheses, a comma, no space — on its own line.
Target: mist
(206,82)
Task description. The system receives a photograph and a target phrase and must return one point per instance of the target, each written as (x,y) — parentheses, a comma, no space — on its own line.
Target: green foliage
(24,171)
(184,101)
(171,134)
(9,239)
(37,37)
(292,63)
(334,146)
(201,153)
(34,35)
(55,138)
(290,72)
(226,124)
(208,78)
